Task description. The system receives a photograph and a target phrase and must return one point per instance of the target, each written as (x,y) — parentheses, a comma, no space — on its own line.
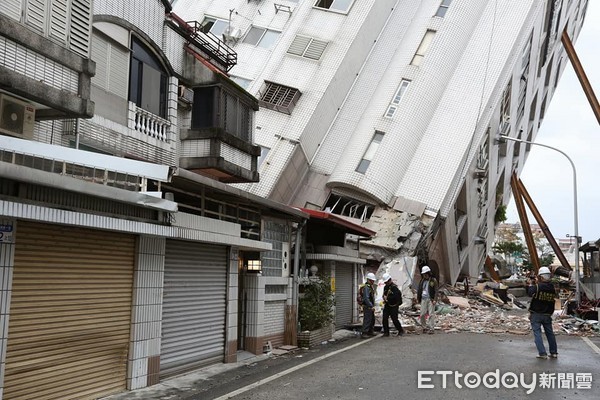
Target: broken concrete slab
(461,302)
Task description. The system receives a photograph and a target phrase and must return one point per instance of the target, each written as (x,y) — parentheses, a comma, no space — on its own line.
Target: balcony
(219,143)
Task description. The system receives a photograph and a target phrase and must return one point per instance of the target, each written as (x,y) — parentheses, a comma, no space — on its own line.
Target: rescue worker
(368,306)
(542,294)
(392,298)
(426,295)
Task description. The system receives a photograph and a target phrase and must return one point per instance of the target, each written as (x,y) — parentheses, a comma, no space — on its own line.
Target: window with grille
(307,47)
(279,97)
(397,97)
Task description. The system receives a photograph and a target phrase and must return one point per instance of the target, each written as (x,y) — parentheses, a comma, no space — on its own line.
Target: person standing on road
(368,306)
(542,294)
(392,297)
(426,295)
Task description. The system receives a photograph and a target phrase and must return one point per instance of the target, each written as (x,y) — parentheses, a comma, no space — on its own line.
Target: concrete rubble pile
(482,311)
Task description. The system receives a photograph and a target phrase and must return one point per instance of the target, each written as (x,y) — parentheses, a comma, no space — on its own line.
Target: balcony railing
(150,124)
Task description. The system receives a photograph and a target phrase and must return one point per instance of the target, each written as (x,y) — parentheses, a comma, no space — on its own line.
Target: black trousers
(391,312)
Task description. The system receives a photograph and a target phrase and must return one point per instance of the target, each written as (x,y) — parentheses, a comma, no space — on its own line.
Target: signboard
(6,233)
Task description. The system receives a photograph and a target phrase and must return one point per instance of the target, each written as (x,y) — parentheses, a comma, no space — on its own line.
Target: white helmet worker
(544,271)
(386,277)
(425,269)
(371,276)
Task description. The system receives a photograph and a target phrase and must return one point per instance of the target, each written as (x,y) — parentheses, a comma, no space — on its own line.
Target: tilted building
(387,112)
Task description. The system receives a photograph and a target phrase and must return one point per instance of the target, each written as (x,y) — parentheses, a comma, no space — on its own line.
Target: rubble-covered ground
(482,311)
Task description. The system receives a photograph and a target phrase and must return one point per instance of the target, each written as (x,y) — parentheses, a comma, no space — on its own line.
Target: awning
(348,226)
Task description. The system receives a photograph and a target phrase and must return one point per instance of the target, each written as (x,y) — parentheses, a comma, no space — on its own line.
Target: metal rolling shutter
(343,295)
(70,313)
(194,300)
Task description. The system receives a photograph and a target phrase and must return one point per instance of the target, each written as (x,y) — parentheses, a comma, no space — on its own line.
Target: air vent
(17,117)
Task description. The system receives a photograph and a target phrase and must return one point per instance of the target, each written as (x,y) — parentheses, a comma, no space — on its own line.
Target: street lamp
(575,218)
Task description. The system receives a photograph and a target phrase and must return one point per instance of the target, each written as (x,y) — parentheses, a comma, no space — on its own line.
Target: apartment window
(214,26)
(425,42)
(279,97)
(370,153)
(307,47)
(396,100)
(335,5)
(505,104)
(147,80)
(261,37)
(441,11)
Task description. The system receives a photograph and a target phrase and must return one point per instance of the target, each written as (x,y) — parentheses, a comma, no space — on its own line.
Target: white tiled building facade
(387,111)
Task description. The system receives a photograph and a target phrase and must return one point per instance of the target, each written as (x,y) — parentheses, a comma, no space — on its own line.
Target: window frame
(398,95)
(424,45)
(370,152)
(207,19)
(443,8)
(281,102)
(146,58)
(332,2)
(262,36)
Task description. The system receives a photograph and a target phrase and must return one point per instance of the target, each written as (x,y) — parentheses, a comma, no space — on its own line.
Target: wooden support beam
(540,220)
(533,256)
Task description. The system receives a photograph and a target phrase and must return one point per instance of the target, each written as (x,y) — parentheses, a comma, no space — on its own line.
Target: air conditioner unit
(17,117)
(186,94)
(232,35)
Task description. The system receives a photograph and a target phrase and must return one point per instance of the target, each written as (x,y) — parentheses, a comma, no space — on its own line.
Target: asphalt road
(388,368)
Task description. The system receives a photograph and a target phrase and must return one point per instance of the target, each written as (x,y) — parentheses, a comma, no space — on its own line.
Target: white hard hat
(386,277)
(425,269)
(371,276)
(544,271)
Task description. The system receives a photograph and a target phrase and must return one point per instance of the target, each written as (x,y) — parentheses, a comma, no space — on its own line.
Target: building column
(7,253)
(255,313)
(231,329)
(143,366)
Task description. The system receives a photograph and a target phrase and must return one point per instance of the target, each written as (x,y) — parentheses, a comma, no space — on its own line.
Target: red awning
(350,227)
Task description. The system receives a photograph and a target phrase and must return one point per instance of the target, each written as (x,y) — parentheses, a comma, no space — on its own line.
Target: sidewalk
(185,386)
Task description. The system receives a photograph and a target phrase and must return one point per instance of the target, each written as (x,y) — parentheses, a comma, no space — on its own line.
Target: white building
(387,111)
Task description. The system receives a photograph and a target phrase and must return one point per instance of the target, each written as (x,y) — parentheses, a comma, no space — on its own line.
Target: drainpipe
(77,133)
(297,267)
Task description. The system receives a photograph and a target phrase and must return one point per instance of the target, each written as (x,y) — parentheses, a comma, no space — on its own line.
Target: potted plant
(315,311)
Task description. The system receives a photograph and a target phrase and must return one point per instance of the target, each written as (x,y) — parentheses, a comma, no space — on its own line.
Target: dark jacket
(433,285)
(542,298)
(392,295)
(368,295)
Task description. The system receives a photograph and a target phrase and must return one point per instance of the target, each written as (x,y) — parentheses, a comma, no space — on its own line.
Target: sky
(569,125)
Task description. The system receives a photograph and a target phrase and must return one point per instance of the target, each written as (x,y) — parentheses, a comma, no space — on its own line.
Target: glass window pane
(269,39)
(363,166)
(219,27)
(341,5)
(390,112)
(254,35)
